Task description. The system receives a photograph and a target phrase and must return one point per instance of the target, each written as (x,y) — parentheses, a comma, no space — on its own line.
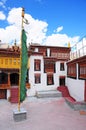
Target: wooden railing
(7,86)
(4,86)
(79,49)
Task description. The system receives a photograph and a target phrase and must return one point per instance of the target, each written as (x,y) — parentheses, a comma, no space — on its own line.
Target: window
(10,61)
(59,55)
(49,67)
(37,65)
(3,78)
(62,66)
(54,54)
(18,61)
(63,55)
(1,61)
(37,78)
(71,70)
(82,70)
(6,61)
(14,61)
(50,80)
(43,51)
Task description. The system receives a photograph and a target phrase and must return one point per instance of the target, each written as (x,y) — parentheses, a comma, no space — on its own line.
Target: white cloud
(2,16)
(13,30)
(9,34)
(14,16)
(59,29)
(60,40)
(37,31)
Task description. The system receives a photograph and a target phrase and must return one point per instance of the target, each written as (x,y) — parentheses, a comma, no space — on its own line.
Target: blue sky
(52,22)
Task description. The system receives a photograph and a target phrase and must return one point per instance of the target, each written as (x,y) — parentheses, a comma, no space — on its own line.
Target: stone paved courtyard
(42,114)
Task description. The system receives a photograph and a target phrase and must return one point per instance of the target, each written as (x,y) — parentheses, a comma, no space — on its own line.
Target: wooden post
(20,59)
(9,79)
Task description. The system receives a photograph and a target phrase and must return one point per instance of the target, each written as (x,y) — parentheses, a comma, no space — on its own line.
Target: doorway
(14,79)
(3,78)
(62,81)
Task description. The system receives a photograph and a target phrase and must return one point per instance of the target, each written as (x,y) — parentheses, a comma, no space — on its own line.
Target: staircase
(76,105)
(64,90)
(14,94)
(48,94)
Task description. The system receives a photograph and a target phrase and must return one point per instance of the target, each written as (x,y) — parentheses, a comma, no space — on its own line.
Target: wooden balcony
(4,86)
(7,86)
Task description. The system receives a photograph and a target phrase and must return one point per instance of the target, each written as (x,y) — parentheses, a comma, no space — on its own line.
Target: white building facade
(76,78)
(48,67)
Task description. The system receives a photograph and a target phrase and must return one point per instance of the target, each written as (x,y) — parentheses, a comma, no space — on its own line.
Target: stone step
(76,105)
(48,93)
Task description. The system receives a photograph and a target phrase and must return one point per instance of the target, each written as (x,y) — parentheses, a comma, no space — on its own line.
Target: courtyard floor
(42,114)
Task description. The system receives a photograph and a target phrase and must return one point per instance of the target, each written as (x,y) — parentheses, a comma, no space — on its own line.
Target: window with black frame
(50,79)
(37,78)
(72,70)
(82,70)
(49,66)
(37,65)
(62,68)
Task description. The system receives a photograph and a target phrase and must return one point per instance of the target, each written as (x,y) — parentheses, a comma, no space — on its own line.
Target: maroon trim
(62,77)
(37,53)
(9,70)
(78,60)
(53,47)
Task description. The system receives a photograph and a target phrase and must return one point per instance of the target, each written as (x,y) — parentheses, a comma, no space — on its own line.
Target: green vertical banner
(23,69)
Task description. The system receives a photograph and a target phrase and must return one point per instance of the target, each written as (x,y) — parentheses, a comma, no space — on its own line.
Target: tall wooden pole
(20,59)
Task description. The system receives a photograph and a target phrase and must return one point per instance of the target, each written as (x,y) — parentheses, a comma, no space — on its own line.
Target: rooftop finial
(68,44)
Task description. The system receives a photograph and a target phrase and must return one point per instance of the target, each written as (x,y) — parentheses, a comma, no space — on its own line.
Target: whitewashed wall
(8,93)
(59,73)
(76,88)
(43,85)
(31,75)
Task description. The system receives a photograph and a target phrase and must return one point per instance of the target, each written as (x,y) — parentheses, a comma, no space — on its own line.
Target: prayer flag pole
(22,15)
(20,114)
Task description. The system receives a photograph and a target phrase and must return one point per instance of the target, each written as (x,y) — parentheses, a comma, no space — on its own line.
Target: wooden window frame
(49,67)
(50,79)
(62,67)
(72,71)
(37,78)
(37,65)
(43,51)
(82,71)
